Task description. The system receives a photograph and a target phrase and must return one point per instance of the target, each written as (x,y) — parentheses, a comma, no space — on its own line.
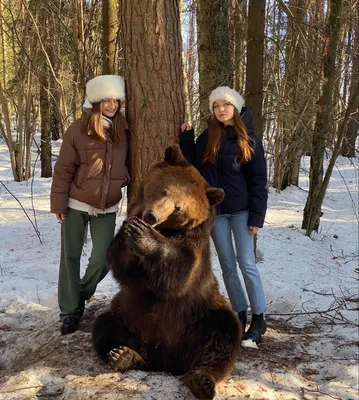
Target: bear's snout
(150,217)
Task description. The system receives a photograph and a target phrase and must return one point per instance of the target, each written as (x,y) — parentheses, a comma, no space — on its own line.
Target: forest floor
(39,363)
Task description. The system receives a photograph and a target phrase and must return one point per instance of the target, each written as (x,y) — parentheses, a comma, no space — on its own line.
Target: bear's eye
(177,209)
(165,192)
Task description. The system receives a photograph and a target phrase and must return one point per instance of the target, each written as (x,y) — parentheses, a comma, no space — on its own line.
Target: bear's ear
(214,195)
(174,156)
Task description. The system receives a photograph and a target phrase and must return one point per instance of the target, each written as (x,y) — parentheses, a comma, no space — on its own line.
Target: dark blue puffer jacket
(244,184)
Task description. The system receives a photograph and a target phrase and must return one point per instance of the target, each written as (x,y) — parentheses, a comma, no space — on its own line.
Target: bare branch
(23,209)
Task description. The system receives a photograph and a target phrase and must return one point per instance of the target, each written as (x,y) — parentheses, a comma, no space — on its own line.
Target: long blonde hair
(216,134)
(93,122)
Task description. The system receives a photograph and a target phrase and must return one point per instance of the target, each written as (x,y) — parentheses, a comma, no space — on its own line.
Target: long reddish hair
(93,122)
(216,134)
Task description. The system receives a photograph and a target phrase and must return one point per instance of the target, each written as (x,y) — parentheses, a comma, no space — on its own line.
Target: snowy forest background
(296,62)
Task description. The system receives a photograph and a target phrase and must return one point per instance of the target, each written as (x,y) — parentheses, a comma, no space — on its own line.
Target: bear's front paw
(140,237)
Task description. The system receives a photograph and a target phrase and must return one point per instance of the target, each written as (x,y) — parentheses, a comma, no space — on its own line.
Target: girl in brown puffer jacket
(88,176)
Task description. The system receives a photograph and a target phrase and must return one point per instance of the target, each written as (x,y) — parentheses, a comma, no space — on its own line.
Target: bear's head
(174,195)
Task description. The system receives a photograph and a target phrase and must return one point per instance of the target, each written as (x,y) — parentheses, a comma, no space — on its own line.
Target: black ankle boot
(81,309)
(242,315)
(69,325)
(257,328)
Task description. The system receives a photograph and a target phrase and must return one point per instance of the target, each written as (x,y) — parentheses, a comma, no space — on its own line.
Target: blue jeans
(244,248)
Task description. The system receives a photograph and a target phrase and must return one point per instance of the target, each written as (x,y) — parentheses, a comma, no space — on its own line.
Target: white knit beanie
(226,93)
(104,87)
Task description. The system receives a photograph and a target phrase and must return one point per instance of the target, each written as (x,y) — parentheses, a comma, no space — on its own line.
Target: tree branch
(23,209)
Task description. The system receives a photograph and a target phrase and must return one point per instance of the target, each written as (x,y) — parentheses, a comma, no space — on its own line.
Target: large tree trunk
(213,51)
(155,109)
(109,37)
(254,67)
(312,210)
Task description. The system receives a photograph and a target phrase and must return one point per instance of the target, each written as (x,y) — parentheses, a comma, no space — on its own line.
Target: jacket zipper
(219,177)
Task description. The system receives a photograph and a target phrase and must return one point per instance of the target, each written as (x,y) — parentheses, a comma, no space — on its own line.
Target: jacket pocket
(80,176)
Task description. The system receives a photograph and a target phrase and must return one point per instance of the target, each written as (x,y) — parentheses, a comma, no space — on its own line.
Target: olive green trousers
(73,291)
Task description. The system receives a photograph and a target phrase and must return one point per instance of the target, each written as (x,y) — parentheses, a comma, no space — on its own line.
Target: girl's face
(224,111)
(109,107)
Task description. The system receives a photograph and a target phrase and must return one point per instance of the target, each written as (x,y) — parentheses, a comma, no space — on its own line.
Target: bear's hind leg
(125,358)
(217,343)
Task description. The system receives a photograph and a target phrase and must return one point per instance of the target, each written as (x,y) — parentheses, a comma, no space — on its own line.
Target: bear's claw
(202,386)
(120,359)
(136,228)
(140,236)
(205,387)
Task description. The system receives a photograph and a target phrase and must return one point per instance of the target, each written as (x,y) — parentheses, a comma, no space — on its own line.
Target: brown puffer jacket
(88,169)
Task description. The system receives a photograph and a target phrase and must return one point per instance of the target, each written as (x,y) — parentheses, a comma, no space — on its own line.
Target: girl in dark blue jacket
(230,156)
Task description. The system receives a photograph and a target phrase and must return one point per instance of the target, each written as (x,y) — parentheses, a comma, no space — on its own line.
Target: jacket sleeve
(256,178)
(188,145)
(64,173)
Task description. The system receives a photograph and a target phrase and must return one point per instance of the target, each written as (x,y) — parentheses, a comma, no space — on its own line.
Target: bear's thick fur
(169,314)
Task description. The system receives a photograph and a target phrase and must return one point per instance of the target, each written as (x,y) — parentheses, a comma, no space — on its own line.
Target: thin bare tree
(323,123)
(352,129)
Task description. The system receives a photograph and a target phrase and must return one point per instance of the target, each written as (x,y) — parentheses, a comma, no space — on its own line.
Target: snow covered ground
(310,350)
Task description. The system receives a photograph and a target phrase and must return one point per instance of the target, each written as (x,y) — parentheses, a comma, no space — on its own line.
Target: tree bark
(3,44)
(239,22)
(55,88)
(186,57)
(214,62)
(46,168)
(109,37)
(312,210)
(254,67)
(351,133)
(155,109)
(295,117)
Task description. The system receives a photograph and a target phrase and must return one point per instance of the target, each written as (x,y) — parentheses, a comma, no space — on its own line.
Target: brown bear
(169,314)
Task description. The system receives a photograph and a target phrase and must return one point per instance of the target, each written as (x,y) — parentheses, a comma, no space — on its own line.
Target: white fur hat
(226,93)
(104,87)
